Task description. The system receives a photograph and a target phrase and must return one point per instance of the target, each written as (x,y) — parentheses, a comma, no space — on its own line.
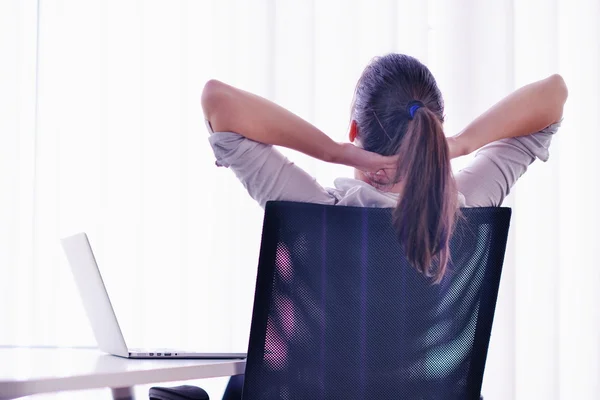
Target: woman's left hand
(379,169)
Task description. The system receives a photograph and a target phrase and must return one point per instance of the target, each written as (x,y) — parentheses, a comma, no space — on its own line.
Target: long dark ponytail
(399,110)
(425,214)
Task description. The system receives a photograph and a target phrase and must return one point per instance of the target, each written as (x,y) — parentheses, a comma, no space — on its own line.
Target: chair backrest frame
(498,217)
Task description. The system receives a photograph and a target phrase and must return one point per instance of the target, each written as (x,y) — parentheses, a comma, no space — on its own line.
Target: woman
(400,153)
(401,157)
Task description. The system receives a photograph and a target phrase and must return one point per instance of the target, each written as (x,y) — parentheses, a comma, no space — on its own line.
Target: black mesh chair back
(340,314)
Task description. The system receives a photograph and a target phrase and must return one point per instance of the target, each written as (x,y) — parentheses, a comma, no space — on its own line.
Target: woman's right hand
(382,170)
(456,147)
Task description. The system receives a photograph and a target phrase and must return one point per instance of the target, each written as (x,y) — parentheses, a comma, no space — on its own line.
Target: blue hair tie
(413,106)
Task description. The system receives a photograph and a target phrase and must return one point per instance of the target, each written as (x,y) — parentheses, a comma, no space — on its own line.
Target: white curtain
(101,131)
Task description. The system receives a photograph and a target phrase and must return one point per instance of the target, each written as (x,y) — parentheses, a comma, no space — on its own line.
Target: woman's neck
(361,176)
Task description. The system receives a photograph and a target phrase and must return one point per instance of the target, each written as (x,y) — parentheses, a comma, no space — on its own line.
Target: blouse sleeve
(496,167)
(264,171)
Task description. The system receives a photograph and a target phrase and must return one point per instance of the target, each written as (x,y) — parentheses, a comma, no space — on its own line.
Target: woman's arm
(525,111)
(229,109)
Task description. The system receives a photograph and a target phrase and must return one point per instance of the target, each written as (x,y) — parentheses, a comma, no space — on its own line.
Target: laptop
(100,311)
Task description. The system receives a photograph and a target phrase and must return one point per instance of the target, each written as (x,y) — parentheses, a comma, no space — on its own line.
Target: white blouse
(269,175)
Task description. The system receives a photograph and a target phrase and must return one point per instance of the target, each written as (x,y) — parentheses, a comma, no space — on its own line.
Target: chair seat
(184,392)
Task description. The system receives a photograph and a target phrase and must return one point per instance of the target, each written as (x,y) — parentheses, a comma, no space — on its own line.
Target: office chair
(340,314)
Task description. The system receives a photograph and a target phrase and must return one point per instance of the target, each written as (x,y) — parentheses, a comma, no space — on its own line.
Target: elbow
(559,87)
(559,96)
(213,97)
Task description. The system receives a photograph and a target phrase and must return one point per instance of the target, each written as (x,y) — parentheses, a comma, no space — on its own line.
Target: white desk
(25,371)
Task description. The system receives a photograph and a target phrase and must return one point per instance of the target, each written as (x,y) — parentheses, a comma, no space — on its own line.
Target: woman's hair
(399,110)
